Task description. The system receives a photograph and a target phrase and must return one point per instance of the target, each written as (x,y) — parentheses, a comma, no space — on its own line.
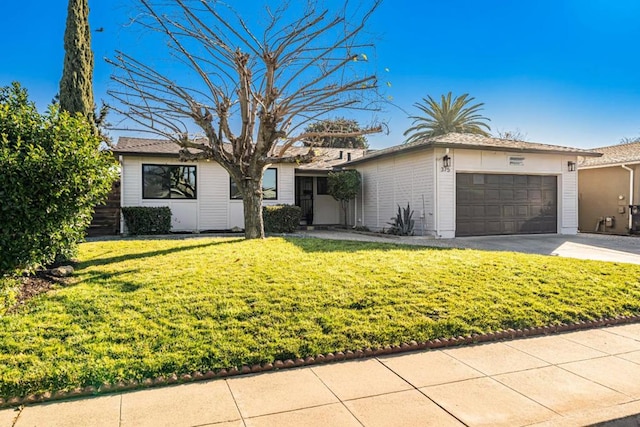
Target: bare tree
(511,135)
(629,140)
(255,91)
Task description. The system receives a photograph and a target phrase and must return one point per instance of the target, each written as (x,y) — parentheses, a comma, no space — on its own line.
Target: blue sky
(563,72)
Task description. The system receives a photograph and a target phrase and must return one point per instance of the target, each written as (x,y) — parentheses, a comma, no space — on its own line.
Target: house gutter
(121,161)
(630,193)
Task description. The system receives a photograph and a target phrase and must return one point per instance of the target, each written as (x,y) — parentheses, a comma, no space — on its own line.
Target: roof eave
(144,154)
(609,165)
(515,149)
(433,144)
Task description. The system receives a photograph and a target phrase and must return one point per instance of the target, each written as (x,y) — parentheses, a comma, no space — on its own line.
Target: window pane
(183,182)
(269,184)
(156,184)
(322,185)
(168,182)
(235,193)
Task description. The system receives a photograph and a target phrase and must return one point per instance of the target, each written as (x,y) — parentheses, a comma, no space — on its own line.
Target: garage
(492,204)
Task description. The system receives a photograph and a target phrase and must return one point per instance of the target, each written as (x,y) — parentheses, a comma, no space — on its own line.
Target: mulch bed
(36,284)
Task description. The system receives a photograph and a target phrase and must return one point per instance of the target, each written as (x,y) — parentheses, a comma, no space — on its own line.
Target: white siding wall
(393,181)
(568,183)
(213,196)
(409,177)
(326,209)
(534,164)
(213,209)
(445,196)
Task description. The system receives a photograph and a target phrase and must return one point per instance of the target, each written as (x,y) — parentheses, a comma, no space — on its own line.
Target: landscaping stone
(62,271)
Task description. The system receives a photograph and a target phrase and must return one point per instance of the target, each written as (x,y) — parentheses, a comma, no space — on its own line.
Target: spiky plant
(402,224)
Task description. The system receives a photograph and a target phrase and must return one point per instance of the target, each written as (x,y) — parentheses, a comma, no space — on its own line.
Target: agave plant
(402,224)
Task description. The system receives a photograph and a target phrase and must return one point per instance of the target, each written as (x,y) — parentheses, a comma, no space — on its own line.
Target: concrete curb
(507,334)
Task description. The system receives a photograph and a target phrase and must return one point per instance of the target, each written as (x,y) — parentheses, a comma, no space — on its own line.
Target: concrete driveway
(583,246)
(597,247)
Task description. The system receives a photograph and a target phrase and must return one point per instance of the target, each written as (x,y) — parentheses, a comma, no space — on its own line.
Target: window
(322,185)
(269,186)
(168,182)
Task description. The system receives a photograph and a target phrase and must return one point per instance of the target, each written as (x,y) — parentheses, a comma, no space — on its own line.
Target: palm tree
(448,116)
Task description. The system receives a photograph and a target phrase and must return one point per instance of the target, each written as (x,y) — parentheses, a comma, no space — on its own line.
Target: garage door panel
(507,195)
(493,211)
(478,211)
(522,212)
(519,194)
(520,180)
(534,181)
(494,227)
(549,196)
(535,195)
(505,204)
(508,227)
(491,194)
(477,194)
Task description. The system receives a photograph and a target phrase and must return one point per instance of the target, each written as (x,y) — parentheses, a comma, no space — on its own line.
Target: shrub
(403,223)
(281,218)
(52,174)
(344,186)
(147,220)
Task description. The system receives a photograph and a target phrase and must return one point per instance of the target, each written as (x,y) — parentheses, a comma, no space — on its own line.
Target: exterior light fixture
(446,161)
(571,166)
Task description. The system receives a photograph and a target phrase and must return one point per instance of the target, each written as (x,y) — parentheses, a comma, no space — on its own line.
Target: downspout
(630,193)
(121,161)
(436,217)
(360,223)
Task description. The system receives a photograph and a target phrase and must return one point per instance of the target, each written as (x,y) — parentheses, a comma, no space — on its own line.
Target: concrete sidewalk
(573,379)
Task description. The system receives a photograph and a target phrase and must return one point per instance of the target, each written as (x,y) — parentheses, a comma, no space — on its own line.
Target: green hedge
(281,218)
(147,220)
(52,175)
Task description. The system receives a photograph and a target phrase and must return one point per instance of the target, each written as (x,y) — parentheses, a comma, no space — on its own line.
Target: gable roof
(614,155)
(476,142)
(326,158)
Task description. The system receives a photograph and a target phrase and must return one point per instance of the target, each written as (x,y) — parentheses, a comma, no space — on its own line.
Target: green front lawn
(144,308)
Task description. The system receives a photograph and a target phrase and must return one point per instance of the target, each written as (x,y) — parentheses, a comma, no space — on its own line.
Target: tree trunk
(345,206)
(252,201)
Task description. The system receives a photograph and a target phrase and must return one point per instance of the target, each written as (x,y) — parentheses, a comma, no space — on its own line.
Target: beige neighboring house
(470,185)
(608,186)
(203,198)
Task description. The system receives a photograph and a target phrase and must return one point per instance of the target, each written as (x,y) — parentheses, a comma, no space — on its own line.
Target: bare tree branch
(246,90)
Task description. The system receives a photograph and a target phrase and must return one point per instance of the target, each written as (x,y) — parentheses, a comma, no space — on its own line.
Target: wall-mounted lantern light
(446,161)
(571,166)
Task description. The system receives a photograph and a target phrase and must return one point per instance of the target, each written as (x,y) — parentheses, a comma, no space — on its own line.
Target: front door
(304,197)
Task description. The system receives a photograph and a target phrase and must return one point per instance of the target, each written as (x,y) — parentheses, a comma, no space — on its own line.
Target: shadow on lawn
(112,279)
(151,254)
(327,245)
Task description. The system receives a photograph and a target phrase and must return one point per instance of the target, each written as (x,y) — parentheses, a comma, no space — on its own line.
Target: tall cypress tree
(76,85)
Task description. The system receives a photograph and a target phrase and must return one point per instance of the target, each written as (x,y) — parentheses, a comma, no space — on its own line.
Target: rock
(62,271)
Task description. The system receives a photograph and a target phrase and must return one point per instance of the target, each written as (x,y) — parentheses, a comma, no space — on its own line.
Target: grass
(144,308)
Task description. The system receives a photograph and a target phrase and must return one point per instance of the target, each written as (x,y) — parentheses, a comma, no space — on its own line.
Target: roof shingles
(478,142)
(326,158)
(614,155)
